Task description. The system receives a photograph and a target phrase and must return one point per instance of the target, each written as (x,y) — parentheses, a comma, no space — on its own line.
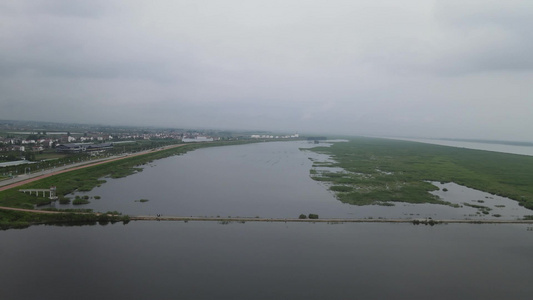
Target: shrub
(313,216)
(302,216)
(64,200)
(44,201)
(80,201)
(341,188)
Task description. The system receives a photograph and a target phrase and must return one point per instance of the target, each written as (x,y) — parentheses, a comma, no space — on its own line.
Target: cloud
(484,36)
(413,67)
(59,8)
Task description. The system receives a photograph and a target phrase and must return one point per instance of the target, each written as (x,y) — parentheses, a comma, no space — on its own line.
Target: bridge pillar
(53,192)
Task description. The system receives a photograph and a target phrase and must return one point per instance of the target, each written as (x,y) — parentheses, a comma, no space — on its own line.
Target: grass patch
(480,207)
(64,200)
(80,201)
(341,188)
(50,155)
(86,179)
(17,219)
(409,164)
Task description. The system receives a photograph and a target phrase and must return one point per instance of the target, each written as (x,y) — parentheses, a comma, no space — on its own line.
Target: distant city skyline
(415,68)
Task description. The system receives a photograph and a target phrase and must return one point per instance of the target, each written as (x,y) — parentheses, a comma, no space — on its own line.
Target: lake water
(269,180)
(207,260)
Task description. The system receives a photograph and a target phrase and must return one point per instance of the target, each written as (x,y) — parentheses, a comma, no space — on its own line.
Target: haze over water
(443,68)
(495,147)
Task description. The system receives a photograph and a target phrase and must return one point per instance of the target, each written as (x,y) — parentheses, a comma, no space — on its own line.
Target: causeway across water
(329,220)
(285,220)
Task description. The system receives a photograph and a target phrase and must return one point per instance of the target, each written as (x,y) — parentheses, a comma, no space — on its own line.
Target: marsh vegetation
(383,171)
(84,180)
(18,219)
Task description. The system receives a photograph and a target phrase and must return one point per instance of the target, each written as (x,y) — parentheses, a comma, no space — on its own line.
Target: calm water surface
(514,149)
(207,260)
(269,180)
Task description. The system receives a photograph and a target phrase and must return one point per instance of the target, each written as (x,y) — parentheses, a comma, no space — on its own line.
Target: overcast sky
(443,68)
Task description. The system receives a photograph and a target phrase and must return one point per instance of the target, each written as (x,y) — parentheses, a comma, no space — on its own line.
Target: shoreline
(67,218)
(329,220)
(422,221)
(37,176)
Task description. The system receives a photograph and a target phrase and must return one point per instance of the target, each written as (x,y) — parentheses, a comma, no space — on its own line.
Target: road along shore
(331,220)
(37,176)
(292,220)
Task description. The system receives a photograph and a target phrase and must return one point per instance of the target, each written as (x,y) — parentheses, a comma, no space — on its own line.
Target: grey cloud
(89,69)
(484,36)
(60,8)
(413,67)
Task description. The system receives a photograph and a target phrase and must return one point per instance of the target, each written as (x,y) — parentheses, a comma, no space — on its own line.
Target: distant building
(79,147)
(99,147)
(317,138)
(197,139)
(18,148)
(70,148)
(267,136)
(37,149)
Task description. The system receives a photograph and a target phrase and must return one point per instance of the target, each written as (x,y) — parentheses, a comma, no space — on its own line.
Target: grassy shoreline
(380,171)
(82,180)
(10,219)
(87,178)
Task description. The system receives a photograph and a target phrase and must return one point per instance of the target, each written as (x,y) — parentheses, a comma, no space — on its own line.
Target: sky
(412,68)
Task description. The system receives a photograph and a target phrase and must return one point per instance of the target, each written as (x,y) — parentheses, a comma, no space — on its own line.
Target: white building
(197,139)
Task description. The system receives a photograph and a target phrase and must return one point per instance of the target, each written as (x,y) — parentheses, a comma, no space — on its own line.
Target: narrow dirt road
(31,210)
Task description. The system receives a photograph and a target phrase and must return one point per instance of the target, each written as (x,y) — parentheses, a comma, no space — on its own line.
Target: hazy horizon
(413,68)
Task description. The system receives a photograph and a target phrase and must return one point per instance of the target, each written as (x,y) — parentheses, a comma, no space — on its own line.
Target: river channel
(266,180)
(267,260)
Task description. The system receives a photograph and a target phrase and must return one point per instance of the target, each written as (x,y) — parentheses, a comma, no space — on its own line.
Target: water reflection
(477,204)
(205,260)
(268,180)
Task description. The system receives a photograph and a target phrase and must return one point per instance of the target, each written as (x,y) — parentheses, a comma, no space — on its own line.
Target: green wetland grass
(80,180)
(84,180)
(382,170)
(19,219)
